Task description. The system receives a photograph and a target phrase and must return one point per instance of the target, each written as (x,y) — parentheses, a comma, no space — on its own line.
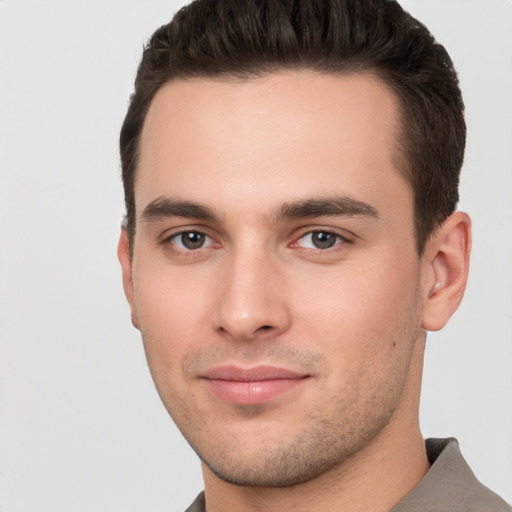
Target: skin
(228,159)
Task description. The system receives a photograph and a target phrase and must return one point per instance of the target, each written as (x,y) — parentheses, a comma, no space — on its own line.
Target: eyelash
(340,242)
(168,242)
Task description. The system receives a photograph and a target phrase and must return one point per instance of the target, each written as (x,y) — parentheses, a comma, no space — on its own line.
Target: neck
(375,478)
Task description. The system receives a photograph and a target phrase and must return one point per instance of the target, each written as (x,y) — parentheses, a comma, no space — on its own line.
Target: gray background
(81,426)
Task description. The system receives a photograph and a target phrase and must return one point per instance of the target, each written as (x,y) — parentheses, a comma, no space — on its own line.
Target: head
(244,40)
(291,171)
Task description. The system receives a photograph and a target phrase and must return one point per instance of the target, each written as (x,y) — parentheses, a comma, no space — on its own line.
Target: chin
(279,464)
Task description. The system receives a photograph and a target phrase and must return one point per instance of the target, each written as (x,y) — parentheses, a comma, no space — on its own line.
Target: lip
(250,386)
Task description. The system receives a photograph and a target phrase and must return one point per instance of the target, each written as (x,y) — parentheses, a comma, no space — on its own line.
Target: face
(275,279)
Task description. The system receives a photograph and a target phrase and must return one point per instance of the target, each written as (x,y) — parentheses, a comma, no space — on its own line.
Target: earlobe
(123,253)
(447,260)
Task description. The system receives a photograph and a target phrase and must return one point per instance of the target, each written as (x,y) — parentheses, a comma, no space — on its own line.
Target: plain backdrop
(81,426)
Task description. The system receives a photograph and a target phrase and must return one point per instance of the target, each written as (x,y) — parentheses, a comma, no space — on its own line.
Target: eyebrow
(326,206)
(165,207)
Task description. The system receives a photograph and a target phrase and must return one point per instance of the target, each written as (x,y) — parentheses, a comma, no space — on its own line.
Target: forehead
(285,134)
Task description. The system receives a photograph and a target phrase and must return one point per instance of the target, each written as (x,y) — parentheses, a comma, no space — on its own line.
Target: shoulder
(198,505)
(450,484)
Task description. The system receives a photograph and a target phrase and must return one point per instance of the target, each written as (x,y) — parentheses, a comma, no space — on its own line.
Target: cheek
(170,318)
(359,310)
(168,304)
(367,335)
(173,322)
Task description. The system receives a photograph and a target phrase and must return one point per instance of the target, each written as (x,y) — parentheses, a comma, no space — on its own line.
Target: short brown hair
(249,38)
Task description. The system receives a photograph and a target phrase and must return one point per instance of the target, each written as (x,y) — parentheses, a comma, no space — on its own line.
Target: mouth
(253,385)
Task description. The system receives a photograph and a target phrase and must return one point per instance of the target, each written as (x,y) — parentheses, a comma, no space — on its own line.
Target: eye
(320,240)
(190,240)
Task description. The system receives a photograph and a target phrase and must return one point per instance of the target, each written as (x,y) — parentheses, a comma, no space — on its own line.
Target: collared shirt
(449,486)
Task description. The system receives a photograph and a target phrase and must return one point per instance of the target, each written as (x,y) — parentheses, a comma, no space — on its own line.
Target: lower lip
(253,392)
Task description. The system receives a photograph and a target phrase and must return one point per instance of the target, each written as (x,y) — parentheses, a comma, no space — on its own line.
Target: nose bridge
(251,301)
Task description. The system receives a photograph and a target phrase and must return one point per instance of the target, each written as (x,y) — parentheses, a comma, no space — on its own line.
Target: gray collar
(450,485)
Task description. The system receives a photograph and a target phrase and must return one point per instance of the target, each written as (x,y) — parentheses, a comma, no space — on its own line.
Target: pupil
(192,240)
(323,240)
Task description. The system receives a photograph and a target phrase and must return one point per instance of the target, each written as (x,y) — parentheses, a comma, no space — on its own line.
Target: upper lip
(255,374)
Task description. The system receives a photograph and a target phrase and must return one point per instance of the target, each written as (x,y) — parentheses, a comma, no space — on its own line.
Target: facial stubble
(329,435)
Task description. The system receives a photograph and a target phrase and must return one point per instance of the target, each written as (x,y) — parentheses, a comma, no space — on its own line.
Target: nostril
(265,328)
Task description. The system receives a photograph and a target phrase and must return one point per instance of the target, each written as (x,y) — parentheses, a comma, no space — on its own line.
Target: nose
(252,302)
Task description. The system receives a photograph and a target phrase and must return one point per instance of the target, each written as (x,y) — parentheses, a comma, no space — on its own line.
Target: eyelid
(165,239)
(170,234)
(336,240)
(345,236)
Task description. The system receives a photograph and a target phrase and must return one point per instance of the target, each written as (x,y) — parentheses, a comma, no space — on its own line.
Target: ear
(123,253)
(447,266)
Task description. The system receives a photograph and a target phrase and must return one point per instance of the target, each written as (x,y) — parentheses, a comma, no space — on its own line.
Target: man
(291,172)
